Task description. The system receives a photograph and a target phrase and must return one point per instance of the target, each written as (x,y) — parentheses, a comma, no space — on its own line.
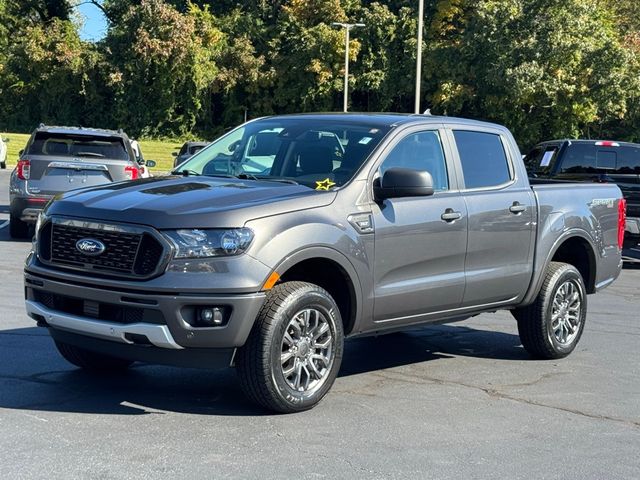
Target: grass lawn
(158,150)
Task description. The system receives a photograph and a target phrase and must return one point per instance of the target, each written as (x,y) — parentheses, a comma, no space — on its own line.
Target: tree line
(174,68)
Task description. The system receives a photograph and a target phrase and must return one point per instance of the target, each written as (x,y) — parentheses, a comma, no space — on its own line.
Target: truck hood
(188,202)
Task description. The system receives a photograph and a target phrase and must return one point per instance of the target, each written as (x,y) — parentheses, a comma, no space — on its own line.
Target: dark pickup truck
(288,234)
(599,161)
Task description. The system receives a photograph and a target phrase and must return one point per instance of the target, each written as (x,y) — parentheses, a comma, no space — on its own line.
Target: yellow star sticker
(325,184)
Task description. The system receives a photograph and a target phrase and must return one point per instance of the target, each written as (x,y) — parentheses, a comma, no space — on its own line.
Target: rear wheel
(294,351)
(3,165)
(18,228)
(90,360)
(551,327)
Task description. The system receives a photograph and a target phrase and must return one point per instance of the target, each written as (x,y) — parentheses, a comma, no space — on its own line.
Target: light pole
(347,28)
(419,54)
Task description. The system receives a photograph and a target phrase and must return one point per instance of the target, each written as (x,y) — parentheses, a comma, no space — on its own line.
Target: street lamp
(347,28)
(419,54)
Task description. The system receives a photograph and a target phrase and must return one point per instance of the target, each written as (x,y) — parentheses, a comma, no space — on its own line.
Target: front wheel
(294,351)
(551,327)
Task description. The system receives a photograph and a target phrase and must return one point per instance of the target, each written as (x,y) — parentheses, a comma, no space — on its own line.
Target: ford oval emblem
(90,246)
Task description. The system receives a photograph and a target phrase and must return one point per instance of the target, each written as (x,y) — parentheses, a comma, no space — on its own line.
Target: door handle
(517,208)
(450,215)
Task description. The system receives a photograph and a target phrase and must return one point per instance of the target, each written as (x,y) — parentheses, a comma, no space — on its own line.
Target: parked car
(145,165)
(3,152)
(187,150)
(59,159)
(599,161)
(420,220)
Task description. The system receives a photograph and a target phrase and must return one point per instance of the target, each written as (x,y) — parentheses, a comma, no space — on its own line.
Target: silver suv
(59,159)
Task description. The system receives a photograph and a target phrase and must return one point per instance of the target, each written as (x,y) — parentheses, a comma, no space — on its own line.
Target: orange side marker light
(271,281)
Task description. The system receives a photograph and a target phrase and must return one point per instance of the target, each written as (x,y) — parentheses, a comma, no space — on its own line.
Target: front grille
(128,252)
(96,310)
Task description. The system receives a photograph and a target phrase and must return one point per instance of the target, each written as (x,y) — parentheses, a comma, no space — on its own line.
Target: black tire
(3,165)
(18,228)
(535,321)
(260,365)
(92,361)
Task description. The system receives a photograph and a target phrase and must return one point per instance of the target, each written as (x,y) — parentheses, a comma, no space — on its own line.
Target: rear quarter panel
(589,211)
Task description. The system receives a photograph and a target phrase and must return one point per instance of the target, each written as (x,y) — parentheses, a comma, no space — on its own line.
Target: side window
(420,151)
(484,161)
(579,158)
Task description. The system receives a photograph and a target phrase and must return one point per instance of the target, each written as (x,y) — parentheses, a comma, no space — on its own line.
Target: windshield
(62,145)
(318,153)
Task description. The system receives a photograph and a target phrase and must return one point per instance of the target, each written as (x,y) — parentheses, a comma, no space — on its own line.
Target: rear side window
(484,161)
(85,146)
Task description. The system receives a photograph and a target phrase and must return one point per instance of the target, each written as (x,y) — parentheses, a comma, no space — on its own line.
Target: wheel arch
(576,248)
(332,271)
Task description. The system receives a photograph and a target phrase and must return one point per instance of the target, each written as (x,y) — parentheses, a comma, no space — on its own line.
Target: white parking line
(2,225)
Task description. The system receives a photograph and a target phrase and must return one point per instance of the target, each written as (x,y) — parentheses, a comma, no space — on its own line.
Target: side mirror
(403,182)
(21,152)
(150,163)
(174,154)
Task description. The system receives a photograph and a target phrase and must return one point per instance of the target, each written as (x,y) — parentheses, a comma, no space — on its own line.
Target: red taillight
(131,172)
(622,220)
(24,169)
(607,144)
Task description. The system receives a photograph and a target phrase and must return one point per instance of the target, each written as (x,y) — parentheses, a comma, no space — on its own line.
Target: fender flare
(536,283)
(328,253)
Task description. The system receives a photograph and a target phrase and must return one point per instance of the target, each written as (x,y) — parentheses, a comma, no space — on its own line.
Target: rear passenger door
(500,208)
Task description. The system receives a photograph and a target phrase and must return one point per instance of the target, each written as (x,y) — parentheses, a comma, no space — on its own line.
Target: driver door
(420,242)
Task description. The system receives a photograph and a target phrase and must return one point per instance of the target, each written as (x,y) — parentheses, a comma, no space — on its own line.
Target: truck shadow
(34,377)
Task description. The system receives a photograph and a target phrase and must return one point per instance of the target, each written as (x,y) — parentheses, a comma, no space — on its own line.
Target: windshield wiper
(185,173)
(275,179)
(246,176)
(88,154)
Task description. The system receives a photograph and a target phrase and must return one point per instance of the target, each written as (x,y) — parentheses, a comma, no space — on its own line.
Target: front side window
(318,153)
(484,161)
(420,151)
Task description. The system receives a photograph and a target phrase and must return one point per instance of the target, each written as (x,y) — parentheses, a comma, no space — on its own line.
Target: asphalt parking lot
(455,401)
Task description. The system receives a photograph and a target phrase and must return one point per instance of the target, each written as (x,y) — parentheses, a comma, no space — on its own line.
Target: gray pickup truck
(343,225)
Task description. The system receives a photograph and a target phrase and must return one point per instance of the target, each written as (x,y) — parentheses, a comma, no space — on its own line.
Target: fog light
(211,316)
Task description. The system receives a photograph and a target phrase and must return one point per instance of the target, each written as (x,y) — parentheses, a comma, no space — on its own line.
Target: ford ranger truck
(291,233)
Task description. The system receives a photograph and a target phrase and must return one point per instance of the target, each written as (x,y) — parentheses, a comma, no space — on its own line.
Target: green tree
(162,64)
(545,68)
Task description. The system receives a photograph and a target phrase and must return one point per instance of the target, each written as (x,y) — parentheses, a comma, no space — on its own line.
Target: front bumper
(133,317)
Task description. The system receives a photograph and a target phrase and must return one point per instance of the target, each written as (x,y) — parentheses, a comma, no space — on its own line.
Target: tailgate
(49,177)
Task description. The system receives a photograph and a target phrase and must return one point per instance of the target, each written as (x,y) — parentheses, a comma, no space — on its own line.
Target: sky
(95,25)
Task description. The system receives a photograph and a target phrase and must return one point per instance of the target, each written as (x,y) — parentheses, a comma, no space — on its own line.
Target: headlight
(199,243)
(42,219)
